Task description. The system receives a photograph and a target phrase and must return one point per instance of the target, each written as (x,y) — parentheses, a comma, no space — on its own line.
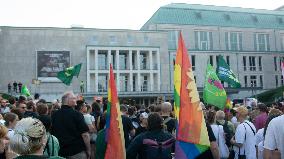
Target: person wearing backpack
(244,139)
(168,122)
(228,127)
(152,144)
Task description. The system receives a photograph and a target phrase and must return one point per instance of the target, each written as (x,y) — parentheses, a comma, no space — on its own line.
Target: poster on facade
(49,63)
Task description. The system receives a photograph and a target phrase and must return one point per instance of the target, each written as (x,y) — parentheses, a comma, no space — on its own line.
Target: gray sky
(105,14)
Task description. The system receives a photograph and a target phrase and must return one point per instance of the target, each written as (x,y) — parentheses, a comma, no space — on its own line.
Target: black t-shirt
(140,130)
(208,154)
(127,127)
(68,125)
(138,148)
(170,123)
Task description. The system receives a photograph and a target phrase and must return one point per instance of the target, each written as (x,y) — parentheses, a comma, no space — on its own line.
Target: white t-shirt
(244,131)
(260,149)
(10,133)
(274,137)
(259,136)
(234,120)
(89,119)
(220,139)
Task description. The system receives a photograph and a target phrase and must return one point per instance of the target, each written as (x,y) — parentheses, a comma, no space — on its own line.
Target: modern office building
(250,40)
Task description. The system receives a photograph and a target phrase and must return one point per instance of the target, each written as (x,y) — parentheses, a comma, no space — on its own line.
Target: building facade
(250,40)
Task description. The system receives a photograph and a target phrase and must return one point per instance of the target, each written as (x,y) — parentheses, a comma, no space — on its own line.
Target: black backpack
(228,133)
(158,150)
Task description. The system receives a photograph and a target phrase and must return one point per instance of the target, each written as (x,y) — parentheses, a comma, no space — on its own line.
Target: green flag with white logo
(225,74)
(66,75)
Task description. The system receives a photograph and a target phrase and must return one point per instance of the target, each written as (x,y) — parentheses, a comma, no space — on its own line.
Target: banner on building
(49,63)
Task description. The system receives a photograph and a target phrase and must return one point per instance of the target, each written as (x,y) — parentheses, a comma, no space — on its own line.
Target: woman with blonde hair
(4,144)
(29,139)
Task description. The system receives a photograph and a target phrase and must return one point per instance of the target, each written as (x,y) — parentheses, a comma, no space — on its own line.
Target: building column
(96,82)
(96,60)
(138,71)
(117,70)
(151,60)
(151,81)
(109,58)
(159,68)
(130,82)
(88,70)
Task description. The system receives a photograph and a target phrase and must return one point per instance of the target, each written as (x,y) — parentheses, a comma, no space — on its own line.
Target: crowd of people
(71,128)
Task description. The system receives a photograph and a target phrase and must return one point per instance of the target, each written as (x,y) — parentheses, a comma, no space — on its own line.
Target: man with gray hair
(168,121)
(228,127)
(69,127)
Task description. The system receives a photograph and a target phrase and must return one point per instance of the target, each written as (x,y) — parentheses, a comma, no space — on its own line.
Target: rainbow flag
(114,129)
(192,136)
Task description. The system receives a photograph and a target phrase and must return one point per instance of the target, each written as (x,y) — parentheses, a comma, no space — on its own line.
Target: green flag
(226,74)
(25,91)
(213,92)
(66,76)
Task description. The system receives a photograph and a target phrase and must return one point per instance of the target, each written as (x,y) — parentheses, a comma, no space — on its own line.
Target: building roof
(209,15)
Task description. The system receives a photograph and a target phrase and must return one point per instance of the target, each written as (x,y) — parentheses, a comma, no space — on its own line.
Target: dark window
(211,60)
(252,66)
(245,63)
(275,63)
(228,60)
(260,81)
(253,81)
(246,81)
(276,80)
(260,63)
(193,62)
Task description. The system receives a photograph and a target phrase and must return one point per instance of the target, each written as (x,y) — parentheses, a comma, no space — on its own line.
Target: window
(123,83)
(195,80)
(276,80)
(123,60)
(143,60)
(102,60)
(211,60)
(233,41)
(228,60)
(203,40)
(260,63)
(275,63)
(245,63)
(261,42)
(134,83)
(113,59)
(129,39)
(112,39)
(172,39)
(252,66)
(144,84)
(282,42)
(282,82)
(260,81)
(246,81)
(253,81)
(102,83)
(193,62)
(146,39)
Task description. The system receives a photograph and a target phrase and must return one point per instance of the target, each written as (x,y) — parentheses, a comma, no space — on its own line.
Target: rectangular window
(253,81)
(275,63)
(122,60)
(262,42)
(211,60)
(282,80)
(245,63)
(260,81)
(252,65)
(143,60)
(112,39)
(203,40)
(102,60)
(193,62)
(195,80)
(282,42)
(129,39)
(102,83)
(123,83)
(134,83)
(260,63)
(144,84)
(172,39)
(276,80)
(228,60)
(233,41)
(246,81)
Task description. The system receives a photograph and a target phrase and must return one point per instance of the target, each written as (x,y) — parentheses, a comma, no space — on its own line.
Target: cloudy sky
(105,14)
